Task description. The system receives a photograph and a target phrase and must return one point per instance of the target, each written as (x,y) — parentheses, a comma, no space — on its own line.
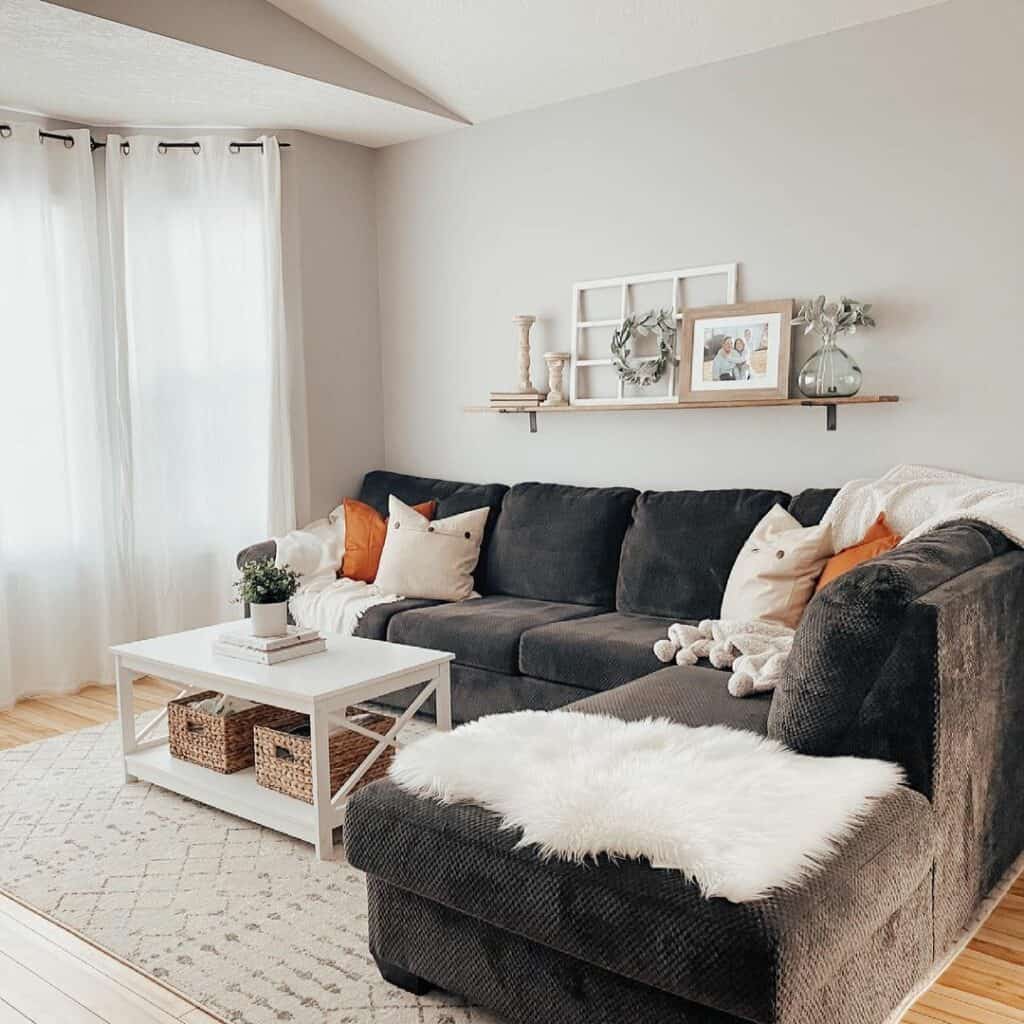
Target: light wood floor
(49,975)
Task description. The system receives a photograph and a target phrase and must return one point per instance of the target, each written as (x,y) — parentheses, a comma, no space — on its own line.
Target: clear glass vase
(829,373)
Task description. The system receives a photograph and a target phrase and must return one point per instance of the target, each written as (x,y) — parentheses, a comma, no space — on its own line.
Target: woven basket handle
(283,754)
(193,726)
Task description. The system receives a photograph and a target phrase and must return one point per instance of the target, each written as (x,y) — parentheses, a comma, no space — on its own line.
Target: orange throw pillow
(878,539)
(365,532)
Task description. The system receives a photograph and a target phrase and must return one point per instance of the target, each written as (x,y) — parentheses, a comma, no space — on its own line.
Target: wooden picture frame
(750,362)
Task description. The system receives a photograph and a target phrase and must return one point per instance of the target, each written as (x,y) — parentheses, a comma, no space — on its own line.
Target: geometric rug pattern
(241,919)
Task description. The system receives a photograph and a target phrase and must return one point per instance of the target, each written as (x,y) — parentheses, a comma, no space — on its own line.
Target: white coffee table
(322,686)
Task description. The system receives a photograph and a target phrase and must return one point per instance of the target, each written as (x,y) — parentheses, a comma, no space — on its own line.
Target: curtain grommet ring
(69,143)
(6,131)
(196,148)
(234,148)
(161,147)
(126,148)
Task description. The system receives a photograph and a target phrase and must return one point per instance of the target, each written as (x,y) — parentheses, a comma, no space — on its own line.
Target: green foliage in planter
(263,582)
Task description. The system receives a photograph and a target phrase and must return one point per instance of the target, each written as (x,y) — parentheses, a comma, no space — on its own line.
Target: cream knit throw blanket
(917,499)
(756,651)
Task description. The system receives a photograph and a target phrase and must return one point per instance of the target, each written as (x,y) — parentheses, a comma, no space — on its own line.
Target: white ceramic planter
(270,619)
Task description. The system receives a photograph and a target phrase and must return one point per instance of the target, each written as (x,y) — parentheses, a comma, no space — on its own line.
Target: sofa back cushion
(861,678)
(809,506)
(680,549)
(451,496)
(553,542)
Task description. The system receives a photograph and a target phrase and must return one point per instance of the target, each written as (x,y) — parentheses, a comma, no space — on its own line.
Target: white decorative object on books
(270,619)
(523,324)
(590,357)
(557,362)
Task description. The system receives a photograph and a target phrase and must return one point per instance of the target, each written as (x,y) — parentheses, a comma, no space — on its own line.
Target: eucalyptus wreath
(649,371)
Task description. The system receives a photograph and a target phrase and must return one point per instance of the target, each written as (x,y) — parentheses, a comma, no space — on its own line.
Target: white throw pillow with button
(774,574)
(430,558)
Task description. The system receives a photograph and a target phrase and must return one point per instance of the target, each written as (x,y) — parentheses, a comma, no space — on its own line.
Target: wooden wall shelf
(829,405)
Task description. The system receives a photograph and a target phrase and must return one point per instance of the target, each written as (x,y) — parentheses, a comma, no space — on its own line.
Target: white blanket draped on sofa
(917,499)
(323,601)
(735,811)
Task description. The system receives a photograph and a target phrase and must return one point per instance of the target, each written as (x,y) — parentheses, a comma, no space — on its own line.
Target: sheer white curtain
(195,240)
(64,583)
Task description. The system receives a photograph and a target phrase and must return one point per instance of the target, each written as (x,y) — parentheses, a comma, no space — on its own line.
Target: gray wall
(329,213)
(883,161)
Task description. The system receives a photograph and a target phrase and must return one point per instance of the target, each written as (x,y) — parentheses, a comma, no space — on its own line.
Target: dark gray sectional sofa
(915,657)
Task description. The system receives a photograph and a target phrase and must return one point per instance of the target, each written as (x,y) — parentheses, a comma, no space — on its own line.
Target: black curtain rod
(69,141)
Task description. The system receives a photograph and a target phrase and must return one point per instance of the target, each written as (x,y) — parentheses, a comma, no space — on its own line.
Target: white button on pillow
(774,574)
(430,558)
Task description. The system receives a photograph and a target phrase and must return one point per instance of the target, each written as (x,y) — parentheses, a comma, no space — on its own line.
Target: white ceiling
(486,58)
(94,71)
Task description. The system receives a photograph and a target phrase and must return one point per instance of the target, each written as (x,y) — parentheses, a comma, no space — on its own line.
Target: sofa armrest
(920,660)
(862,677)
(256,553)
(978,760)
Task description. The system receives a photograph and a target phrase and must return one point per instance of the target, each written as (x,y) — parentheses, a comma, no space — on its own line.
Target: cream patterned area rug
(240,919)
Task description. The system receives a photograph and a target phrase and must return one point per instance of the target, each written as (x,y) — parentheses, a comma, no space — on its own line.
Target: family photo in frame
(737,352)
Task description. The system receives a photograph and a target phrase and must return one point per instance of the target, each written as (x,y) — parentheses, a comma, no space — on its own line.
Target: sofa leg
(401,978)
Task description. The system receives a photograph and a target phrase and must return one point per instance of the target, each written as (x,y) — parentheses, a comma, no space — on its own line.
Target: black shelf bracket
(830,413)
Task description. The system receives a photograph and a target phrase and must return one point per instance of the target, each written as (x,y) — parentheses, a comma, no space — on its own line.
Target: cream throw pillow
(774,574)
(430,558)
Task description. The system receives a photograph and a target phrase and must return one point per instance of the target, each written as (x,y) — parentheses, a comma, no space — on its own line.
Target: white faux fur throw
(917,499)
(756,651)
(737,812)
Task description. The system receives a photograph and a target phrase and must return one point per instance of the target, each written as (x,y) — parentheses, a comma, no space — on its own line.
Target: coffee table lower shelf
(238,794)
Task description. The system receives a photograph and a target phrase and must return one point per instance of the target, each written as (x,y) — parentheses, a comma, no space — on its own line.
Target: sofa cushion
(752,960)
(845,689)
(687,694)
(373,623)
(452,498)
(680,548)
(809,506)
(478,691)
(484,633)
(559,543)
(596,653)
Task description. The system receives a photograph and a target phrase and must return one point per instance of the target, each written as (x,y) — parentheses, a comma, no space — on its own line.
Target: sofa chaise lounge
(913,657)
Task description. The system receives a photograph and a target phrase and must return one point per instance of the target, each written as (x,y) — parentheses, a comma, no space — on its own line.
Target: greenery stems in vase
(831,372)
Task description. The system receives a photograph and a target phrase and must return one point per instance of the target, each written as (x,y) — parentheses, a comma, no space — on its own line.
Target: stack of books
(269,650)
(515,399)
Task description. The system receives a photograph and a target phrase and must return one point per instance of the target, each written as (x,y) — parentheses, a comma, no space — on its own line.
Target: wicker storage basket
(284,759)
(223,744)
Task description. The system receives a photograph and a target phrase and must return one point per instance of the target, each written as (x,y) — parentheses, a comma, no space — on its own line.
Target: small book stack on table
(269,650)
(516,399)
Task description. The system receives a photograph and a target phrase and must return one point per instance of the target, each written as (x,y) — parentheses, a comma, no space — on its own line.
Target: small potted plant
(267,588)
